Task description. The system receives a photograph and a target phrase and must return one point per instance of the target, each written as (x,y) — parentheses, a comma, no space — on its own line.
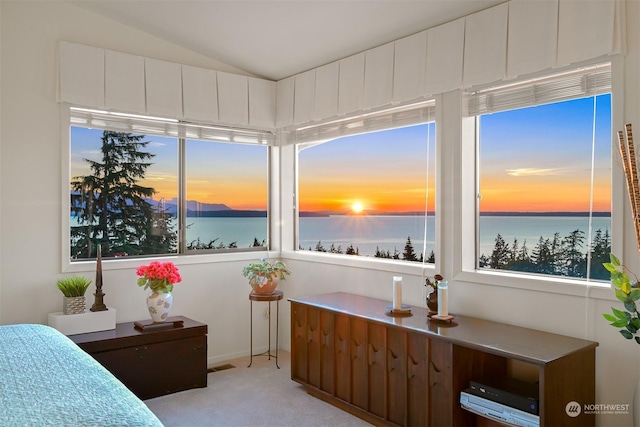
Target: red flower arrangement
(159,276)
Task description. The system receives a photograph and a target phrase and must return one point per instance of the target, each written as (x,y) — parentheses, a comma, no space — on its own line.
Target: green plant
(74,286)
(627,291)
(264,270)
(434,284)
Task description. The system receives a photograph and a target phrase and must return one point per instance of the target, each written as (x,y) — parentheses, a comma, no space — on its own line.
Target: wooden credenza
(410,371)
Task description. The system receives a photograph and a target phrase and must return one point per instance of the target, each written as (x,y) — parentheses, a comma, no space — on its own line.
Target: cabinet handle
(375,355)
(434,374)
(140,351)
(412,367)
(342,345)
(326,340)
(393,361)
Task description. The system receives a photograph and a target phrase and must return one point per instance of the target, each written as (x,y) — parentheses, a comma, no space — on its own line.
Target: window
(370,193)
(544,164)
(143,186)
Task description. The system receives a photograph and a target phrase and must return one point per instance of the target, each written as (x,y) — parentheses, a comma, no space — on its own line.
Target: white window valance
(159,126)
(519,37)
(115,81)
(516,38)
(579,83)
(403,116)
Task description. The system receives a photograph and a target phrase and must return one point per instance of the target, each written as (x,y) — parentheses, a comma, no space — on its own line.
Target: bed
(46,379)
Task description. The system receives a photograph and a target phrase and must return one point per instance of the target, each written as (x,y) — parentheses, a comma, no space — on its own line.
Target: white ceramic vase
(159,305)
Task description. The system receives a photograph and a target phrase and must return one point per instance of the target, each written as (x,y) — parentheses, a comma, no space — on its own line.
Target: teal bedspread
(46,379)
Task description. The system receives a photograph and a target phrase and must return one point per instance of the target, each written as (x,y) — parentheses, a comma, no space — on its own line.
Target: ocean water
(389,233)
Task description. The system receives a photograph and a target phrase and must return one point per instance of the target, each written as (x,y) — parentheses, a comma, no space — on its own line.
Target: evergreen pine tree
(501,254)
(409,254)
(523,255)
(600,251)
(542,256)
(573,260)
(431,258)
(111,206)
(515,249)
(319,247)
(556,256)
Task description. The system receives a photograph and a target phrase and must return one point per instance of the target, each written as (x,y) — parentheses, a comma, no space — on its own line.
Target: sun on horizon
(357,207)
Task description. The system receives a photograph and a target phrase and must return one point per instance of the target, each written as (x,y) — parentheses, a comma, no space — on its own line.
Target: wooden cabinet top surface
(126,335)
(515,342)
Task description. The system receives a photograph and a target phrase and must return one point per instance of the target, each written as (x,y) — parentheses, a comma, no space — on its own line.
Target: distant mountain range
(199,209)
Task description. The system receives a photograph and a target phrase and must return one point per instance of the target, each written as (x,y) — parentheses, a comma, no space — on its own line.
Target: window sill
(178,260)
(551,285)
(370,263)
(558,286)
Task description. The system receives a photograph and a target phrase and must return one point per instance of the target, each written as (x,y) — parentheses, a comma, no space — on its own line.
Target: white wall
(31,181)
(213,290)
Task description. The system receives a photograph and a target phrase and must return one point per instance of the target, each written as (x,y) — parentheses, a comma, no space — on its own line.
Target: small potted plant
(73,289)
(264,275)
(160,278)
(432,292)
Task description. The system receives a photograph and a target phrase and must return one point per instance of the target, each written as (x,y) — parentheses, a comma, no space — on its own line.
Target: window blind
(574,84)
(148,125)
(408,115)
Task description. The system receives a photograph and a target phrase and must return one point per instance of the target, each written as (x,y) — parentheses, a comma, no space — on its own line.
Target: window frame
(421,269)
(465,269)
(182,255)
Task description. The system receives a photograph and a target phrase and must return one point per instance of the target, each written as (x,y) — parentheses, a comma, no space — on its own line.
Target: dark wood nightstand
(153,362)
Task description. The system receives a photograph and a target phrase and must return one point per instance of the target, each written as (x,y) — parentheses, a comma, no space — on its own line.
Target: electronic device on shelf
(497,411)
(508,391)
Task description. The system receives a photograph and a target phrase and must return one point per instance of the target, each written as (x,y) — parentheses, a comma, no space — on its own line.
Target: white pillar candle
(397,292)
(443,290)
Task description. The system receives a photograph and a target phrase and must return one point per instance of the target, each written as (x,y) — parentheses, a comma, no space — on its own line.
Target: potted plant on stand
(264,275)
(73,289)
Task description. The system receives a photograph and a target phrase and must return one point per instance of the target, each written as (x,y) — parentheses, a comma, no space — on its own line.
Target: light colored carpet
(261,395)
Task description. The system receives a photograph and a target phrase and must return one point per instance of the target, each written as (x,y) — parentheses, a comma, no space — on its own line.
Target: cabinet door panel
(396,376)
(440,383)
(342,359)
(359,368)
(313,347)
(417,378)
(377,361)
(298,342)
(326,352)
(161,368)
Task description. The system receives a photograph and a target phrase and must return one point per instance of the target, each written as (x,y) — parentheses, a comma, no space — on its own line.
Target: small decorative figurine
(98,304)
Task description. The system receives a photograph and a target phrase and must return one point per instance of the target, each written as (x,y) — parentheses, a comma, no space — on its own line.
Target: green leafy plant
(265,270)
(627,291)
(433,284)
(74,286)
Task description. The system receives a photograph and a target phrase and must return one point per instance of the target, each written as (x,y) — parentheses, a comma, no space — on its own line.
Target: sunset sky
(539,159)
(213,175)
(383,171)
(531,160)
(525,165)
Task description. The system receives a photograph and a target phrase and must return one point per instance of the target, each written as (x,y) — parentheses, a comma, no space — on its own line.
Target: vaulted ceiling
(274,39)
